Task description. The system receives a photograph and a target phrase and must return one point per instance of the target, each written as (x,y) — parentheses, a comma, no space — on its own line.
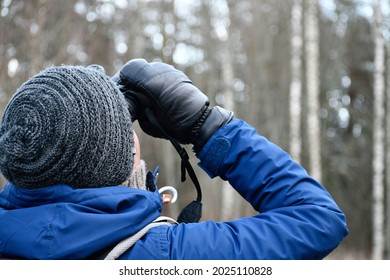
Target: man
(64,138)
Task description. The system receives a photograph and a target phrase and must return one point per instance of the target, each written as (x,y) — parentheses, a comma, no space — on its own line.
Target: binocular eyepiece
(132,103)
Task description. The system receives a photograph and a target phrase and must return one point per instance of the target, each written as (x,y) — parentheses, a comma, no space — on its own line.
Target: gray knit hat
(67,125)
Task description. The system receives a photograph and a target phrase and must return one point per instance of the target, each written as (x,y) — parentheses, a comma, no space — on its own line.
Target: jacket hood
(60,222)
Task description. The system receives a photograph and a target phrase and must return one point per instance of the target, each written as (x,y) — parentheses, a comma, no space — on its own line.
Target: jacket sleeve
(298,218)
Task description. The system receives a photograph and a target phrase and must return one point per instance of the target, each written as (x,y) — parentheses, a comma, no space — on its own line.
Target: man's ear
(137,149)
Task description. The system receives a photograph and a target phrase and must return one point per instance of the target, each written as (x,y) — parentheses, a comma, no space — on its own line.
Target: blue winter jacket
(298,219)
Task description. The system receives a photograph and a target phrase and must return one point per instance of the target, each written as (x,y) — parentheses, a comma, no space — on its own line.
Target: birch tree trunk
(312,77)
(296,81)
(387,215)
(231,201)
(378,138)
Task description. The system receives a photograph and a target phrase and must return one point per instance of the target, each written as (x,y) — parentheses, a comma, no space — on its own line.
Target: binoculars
(133,104)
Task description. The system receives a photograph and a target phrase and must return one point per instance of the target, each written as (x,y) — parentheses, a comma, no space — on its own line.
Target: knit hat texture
(67,125)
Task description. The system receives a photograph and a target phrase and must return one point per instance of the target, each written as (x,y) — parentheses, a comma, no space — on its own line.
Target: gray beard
(137,178)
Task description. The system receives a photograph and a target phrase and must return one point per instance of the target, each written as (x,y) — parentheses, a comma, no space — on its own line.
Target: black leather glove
(181,108)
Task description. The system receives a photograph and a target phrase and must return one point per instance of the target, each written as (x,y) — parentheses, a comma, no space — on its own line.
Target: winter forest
(313,76)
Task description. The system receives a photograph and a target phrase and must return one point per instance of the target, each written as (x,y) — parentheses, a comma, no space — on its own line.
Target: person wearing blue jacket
(76,188)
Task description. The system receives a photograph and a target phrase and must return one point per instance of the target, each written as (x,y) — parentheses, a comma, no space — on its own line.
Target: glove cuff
(195,130)
(210,121)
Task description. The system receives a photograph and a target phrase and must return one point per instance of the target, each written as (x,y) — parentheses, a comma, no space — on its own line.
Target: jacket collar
(61,222)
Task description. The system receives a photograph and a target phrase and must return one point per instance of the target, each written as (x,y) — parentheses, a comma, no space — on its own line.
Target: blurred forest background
(312,76)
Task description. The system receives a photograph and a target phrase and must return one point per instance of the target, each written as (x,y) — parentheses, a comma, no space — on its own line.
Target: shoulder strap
(126,244)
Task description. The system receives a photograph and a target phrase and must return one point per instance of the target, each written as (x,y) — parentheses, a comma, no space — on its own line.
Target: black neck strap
(193,211)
